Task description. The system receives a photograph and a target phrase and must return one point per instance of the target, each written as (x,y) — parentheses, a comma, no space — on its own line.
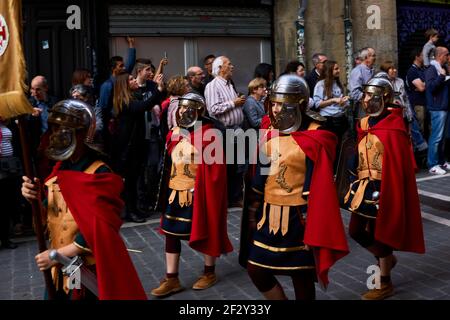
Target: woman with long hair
(128,134)
(329,99)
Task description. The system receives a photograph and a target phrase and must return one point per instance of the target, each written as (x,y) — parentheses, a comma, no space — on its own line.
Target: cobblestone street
(424,277)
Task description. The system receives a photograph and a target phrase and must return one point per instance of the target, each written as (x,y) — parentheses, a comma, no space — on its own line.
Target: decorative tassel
(359,194)
(285,220)
(263,219)
(274,218)
(172,196)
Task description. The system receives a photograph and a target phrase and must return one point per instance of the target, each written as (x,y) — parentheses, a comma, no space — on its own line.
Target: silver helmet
(67,117)
(191,106)
(378,93)
(292,93)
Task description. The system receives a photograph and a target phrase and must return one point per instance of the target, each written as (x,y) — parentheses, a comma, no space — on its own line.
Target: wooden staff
(35,205)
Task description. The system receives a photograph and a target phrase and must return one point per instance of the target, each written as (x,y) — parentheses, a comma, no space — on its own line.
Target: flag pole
(35,204)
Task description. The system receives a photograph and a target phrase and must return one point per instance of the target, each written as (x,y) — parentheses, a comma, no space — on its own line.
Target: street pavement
(416,277)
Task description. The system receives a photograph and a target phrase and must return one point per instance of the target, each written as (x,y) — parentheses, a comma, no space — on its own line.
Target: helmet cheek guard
(191,106)
(292,93)
(378,93)
(67,118)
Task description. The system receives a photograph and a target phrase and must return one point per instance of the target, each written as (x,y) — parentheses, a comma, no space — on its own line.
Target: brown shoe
(386,290)
(205,281)
(167,286)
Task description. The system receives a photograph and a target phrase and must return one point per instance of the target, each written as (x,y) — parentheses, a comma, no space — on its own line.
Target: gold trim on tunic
(177,218)
(81,247)
(281,268)
(176,234)
(278,249)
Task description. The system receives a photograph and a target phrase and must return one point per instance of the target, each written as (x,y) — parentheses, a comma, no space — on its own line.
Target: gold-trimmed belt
(277,249)
(177,218)
(358,196)
(372,173)
(280,268)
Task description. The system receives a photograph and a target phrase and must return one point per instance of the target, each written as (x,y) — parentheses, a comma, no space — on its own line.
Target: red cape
(399,221)
(265,122)
(95,203)
(209,219)
(328,239)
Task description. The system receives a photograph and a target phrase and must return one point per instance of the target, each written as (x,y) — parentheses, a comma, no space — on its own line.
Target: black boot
(133,217)
(143,210)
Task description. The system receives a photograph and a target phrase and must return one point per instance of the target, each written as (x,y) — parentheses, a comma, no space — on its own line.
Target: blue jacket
(105,98)
(436,90)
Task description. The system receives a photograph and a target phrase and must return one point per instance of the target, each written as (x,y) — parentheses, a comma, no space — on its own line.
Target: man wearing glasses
(196,78)
(318,60)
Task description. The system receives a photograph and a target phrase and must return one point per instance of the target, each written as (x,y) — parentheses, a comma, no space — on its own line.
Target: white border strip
(433,177)
(436,219)
(434,195)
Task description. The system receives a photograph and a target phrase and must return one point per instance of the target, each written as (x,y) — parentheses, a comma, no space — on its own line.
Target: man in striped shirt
(222,100)
(223,103)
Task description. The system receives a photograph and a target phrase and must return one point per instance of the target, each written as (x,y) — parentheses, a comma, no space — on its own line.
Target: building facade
(248,31)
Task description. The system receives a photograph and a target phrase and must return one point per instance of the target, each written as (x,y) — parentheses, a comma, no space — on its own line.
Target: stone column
(384,39)
(285,15)
(324,30)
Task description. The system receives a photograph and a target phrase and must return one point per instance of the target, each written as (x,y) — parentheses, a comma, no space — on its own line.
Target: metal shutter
(147,20)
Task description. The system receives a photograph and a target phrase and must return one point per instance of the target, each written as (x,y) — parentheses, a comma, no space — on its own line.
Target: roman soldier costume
(83,206)
(196,210)
(383,197)
(292,209)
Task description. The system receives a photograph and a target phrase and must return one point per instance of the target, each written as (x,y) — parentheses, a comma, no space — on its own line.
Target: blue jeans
(416,136)
(436,140)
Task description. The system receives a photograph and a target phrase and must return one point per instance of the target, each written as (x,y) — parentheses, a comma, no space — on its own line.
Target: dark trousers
(131,173)
(362,230)
(339,126)
(303,280)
